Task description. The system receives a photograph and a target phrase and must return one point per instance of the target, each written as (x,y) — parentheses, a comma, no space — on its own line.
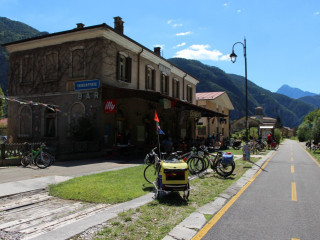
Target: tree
(304,131)
(316,131)
(278,123)
(277,135)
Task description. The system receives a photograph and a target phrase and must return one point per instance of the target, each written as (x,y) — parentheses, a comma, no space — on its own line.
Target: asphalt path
(282,202)
(72,168)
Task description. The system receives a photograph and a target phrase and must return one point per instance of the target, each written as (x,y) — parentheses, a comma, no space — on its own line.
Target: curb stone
(186,229)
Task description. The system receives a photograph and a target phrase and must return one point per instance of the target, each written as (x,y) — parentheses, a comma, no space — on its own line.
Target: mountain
(291,111)
(295,93)
(12,31)
(312,100)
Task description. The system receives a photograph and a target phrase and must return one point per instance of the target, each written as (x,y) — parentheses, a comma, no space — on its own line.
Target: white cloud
(202,52)
(226,4)
(183,34)
(174,25)
(177,25)
(317,13)
(180,45)
(239,11)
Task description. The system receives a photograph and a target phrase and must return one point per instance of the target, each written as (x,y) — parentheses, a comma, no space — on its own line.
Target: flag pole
(159,145)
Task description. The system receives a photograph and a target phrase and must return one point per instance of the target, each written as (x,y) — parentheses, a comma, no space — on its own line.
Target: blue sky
(283,37)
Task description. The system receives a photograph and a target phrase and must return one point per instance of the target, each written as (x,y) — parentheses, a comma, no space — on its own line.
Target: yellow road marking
(295,239)
(293,192)
(292,168)
(291,159)
(225,208)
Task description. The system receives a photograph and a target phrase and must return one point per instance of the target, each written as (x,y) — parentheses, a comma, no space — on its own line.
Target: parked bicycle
(222,163)
(38,157)
(152,169)
(199,160)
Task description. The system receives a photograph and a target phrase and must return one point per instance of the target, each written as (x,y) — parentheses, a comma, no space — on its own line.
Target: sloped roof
(208,95)
(222,96)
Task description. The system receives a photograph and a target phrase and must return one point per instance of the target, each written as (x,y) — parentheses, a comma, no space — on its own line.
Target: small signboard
(87,84)
(110,106)
(246,152)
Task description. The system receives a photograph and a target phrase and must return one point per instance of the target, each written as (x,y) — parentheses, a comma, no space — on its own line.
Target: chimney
(157,51)
(118,25)
(80,25)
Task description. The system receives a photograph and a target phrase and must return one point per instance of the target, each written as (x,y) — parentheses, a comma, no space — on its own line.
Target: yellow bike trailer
(173,176)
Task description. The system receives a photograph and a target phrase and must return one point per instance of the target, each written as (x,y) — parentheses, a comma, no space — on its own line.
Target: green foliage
(240,135)
(277,135)
(312,116)
(310,127)
(304,131)
(253,132)
(316,131)
(82,129)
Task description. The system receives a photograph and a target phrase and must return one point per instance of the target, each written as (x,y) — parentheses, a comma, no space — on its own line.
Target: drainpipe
(183,79)
(138,80)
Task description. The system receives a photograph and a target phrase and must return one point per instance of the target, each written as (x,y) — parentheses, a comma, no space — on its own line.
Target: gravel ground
(10,235)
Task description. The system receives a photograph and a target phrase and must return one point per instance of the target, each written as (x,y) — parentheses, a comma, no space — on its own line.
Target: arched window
(77,110)
(25,121)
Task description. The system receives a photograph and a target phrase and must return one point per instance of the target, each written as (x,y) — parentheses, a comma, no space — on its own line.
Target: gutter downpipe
(138,80)
(183,80)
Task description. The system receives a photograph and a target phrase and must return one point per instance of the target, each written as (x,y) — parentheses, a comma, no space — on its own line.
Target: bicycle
(38,157)
(222,164)
(152,169)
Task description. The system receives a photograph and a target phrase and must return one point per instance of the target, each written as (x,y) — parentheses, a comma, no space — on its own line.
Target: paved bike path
(281,203)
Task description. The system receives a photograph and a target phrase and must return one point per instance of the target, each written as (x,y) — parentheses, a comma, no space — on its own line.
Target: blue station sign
(87,84)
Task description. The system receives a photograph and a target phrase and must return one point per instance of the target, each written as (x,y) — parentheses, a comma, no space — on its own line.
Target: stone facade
(84,73)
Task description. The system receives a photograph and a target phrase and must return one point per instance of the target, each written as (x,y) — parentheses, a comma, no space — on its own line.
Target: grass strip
(157,218)
(107,187)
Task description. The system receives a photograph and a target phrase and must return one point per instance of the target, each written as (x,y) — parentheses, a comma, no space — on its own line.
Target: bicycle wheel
(150,174)
(224,170)
(26,159)
(42,160)
(206,161)
(52,159)
(195,165)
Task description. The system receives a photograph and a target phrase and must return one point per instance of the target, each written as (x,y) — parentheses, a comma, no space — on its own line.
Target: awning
(116,92)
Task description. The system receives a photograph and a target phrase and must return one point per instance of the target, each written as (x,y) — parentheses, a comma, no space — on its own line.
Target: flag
(156,117)
(159,130)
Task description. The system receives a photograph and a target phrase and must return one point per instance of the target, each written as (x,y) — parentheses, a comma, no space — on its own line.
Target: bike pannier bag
(227,158)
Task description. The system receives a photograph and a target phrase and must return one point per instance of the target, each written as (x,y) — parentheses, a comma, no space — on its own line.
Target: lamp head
(233,57)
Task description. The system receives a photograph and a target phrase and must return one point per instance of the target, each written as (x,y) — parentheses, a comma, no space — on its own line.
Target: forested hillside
(11,31)
(291,111)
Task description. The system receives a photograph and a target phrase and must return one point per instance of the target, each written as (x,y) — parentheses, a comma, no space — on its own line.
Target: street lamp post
(233,57)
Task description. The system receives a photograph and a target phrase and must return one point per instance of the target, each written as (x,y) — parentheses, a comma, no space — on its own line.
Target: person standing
(269,140)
